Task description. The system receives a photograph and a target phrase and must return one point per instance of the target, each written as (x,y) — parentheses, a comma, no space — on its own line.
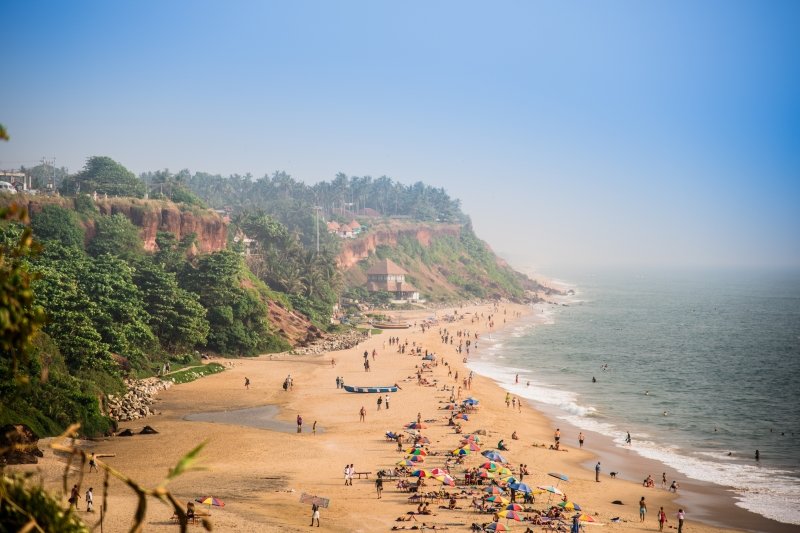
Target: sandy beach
(261,473)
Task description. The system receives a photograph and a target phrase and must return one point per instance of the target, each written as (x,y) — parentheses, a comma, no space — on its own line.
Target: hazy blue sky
(575,133)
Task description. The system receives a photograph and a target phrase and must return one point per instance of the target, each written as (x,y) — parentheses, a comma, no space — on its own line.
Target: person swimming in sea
(594,380)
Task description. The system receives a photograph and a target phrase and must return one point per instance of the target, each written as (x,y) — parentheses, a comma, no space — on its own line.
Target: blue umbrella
(521,487)
(470,401)
(494,456)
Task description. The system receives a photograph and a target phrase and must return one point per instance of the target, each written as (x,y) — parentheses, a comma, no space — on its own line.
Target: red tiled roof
(384,267)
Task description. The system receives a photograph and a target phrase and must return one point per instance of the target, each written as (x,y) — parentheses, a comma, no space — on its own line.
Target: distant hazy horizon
(622,134)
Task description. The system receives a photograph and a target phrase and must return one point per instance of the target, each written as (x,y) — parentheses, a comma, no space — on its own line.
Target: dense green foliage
(103,175)
(237,317)
(175,315)
(116,235)
(162,184)
(280,259)
(56,223)
(31,500)
(113,309)
(342,195)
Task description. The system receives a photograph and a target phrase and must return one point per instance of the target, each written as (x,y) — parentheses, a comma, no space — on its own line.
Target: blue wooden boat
(350,388)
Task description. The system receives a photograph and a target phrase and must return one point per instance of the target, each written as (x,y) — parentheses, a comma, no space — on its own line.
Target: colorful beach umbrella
(423,440)
(416,425)
(504,472)
(490,465)
(513,507)
(439,472)
(521,487)
(446,480)
(485,475)
(210,501)
(471,446)
(496,526)
(570,506)
(416,458)
(494,456)
(406,462)
(474,438)
(556,475)
(497,498)
(462,416)
(510,515)
(416,451)
(493,489)
(551,489)
(421,473)
(471,401)
(583,517)
(461,451)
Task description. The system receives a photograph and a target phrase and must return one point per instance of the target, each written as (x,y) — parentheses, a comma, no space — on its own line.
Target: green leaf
(185,462)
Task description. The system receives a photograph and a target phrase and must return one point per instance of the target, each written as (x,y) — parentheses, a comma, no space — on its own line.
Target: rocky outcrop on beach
(333,343)
(18,445)
(137,401)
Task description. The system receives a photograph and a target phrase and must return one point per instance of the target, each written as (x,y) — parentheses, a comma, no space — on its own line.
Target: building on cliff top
(386,276)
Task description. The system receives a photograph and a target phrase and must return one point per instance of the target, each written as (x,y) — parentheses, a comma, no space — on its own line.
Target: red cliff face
(152,216)
(355,250)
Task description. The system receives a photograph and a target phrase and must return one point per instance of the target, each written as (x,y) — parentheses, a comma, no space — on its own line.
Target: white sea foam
(769,492)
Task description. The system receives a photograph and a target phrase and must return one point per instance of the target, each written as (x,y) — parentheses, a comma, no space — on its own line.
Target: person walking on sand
(380,402)
(314,428)
(628,438)
(580,439)
(74,496)
(379,486)
(681,518)
(663,480)
(362,414)
(662,517)
(90,500)
(299,424)
(92,463)
(386,401)
(247,383)
(314,514)
(597,472)
(642,509)
(557,435)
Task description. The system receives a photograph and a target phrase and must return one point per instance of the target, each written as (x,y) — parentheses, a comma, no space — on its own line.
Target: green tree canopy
(175,315)
(237,317)
(54,223)
(104,176)
(122,319)
(116,235)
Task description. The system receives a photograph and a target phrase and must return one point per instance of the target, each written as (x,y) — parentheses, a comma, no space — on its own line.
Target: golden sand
(260,474)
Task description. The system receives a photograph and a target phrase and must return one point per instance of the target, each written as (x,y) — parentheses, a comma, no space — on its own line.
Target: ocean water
(718,352)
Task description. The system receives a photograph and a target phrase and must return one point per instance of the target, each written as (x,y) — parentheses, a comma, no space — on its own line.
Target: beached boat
(350,388)
(397,325)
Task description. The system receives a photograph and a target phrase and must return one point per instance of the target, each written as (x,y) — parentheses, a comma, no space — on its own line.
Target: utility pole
(316,218)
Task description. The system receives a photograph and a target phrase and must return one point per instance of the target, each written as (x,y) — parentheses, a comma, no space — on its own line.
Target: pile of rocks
(136,402)
(332,343)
